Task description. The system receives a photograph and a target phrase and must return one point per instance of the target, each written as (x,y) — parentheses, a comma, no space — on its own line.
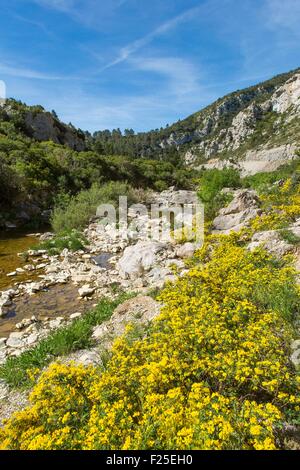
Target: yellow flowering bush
(61,403)
(212,373)
(282,206)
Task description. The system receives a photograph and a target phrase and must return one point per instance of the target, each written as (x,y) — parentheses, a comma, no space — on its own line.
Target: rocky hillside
(243,120)
(257,124)
(34,122)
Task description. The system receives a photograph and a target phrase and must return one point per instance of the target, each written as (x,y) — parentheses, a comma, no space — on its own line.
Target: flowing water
(12,243)
(57,301)
(60,300)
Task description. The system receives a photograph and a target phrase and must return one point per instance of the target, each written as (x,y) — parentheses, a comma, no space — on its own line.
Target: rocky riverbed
(59,288)
(67,285)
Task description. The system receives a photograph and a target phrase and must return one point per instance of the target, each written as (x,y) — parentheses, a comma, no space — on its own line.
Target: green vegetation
(76,213)
(211,184)
(212,181)
(268,185)
(290,237)
(265,182)
(147,144)
(16,371)
(72,240)
(34,173)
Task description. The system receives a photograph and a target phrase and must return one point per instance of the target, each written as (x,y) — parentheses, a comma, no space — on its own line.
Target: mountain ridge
(252,130)
(227,128)
(208,133)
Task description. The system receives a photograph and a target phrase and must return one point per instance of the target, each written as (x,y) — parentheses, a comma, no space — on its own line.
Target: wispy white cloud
(140,112)
(87,12)
(85,109)
(21,72)
(72,5)
(126,51)
(284,14)
(37,24)
(182,75)
(61,5)
(158,86)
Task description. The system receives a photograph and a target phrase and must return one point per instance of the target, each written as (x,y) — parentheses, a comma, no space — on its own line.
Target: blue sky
(141,63)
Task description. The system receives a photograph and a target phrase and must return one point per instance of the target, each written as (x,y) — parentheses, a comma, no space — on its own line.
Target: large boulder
(243,208)
(173,197)
(272,241)
(139,258)
(186,250)
(243,199)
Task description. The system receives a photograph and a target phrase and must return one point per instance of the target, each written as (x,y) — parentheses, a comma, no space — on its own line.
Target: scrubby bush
(75,212)
(212,373)
(211,184)
(290,237)
(71,240)
(212,181)
(281,205)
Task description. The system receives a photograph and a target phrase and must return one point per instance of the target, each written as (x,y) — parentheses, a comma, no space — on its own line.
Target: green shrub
(79,209)
(290,237)
(213,181)
(72,240)
(211,184)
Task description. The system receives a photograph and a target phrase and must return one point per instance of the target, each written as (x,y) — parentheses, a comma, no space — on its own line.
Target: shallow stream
(60,300)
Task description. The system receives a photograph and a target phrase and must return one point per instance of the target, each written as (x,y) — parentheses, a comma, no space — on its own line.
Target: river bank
(13,242)
(70,283)
(55,287)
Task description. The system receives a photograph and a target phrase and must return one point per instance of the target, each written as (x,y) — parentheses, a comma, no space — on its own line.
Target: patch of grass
(72,240)
(17,371)
(154,292)
(290,237)
(279,297)
(115,288)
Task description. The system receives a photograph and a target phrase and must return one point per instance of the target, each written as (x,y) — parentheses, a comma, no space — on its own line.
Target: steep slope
(36,123)
(257,123)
